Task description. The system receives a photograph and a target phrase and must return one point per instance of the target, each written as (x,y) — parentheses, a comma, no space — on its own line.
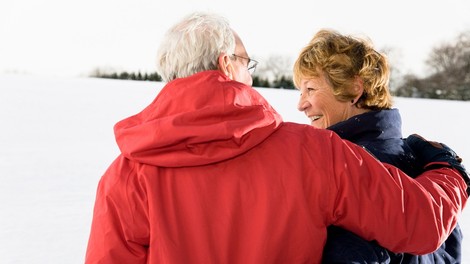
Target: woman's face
(320,105)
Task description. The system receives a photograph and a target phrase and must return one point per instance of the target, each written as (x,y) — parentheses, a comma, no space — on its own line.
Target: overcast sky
(72,37)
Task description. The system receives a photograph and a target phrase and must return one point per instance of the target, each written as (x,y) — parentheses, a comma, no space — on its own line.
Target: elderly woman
(344,87)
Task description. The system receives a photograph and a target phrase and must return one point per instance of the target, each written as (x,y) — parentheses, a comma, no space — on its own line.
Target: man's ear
(224,63)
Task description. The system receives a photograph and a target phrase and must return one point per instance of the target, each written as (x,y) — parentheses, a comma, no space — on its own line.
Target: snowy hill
(57,139)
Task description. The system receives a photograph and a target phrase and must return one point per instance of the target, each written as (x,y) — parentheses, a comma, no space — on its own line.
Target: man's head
(201,42)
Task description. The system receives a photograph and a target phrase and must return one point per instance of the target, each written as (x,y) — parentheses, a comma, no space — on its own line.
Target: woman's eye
(308,91)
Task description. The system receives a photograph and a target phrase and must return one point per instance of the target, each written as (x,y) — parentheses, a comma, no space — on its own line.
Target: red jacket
(209,173)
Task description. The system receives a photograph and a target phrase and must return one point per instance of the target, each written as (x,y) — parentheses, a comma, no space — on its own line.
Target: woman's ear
(225,65)
(358,88)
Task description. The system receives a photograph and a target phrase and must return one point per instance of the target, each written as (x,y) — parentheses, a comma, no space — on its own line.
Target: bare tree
(450,66)
(451,56)
(275,66)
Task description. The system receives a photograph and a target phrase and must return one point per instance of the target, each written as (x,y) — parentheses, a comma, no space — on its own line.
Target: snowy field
(56,140)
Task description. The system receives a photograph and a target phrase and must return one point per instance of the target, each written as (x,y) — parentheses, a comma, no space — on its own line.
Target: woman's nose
(303,104)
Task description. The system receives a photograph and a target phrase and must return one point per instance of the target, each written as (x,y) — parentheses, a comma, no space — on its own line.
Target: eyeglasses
(251,65)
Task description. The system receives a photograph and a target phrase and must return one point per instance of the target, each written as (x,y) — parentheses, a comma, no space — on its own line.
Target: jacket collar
(383,124)
(197,120)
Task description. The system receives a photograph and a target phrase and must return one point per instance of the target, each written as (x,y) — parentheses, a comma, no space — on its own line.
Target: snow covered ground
(56,140)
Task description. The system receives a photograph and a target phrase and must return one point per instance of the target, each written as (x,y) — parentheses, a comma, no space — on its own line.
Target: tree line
(448,77)
(283,82)
(124,75)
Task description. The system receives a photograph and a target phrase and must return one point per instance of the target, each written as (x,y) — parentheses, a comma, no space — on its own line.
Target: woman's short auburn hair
(341,59)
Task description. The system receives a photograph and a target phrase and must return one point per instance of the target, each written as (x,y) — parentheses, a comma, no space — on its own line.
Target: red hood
(197,120)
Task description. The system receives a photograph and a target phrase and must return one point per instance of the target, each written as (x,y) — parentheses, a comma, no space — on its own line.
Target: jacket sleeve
(380,202)
(120,230)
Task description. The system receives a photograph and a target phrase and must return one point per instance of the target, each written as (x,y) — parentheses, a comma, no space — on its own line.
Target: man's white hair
(194,45)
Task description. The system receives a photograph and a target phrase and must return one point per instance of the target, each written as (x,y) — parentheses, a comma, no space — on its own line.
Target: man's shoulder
(305,136)
(305,130)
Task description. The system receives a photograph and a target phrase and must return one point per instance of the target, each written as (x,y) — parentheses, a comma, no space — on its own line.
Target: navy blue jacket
(380,133)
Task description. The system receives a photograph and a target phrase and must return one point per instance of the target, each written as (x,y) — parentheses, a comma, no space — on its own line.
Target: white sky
(72,37)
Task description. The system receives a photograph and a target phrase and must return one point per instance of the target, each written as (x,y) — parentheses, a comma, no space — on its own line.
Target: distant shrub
(139,76)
